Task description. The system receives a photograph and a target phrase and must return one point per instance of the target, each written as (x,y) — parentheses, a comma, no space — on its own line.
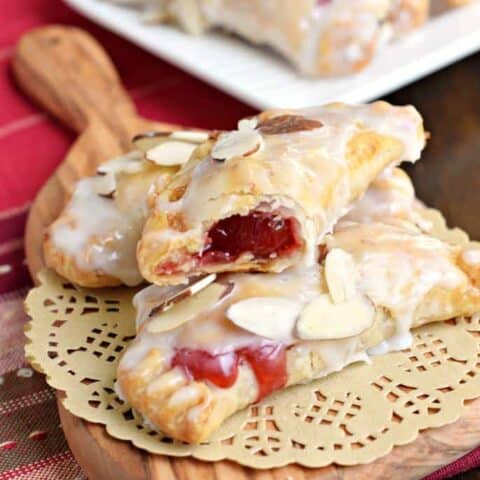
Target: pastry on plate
(330,37)
(241,336)
(93,242)
(262,197)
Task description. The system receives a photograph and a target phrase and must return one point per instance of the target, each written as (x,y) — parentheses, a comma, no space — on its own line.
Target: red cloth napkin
(32,445)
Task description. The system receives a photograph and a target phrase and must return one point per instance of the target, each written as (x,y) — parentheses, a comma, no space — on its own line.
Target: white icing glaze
(390,197)
(293,172)
(101,233)
(471,256)
(397,267)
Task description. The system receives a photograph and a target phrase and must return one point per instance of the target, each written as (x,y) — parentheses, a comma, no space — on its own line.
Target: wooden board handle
(70,74)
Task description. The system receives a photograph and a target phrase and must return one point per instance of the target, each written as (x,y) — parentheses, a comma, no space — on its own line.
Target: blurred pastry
(328,37)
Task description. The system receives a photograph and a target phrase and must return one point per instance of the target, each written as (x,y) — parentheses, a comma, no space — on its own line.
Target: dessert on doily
(278,253)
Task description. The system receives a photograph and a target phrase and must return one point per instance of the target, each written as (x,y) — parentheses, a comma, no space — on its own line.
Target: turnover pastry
(262,197)
(244,336)
(93,242)
(331,37)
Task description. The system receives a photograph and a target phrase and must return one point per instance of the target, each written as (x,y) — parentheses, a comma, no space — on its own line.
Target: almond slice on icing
(187,309)
(180,292)
(170,153)
(130,163)
(288,123)
(105,185)
(154,299)
(148,140)
(340,274)
(247,123)
(322,319)
(190,136)
(269,317)
(236,144)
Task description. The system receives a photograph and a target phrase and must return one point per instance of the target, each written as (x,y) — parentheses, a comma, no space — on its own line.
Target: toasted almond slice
(288,123)
(189,136)
(269,317)
(322,319)
(170,153)
(187,309)
(247,123)
(155,299)
(181,292)
(341,275)
(236,144)
(130,163)
(105,185)
(148,140)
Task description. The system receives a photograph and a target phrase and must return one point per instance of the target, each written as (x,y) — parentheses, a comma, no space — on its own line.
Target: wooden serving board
(71,76)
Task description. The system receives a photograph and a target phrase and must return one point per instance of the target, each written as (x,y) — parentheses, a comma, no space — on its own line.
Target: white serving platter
(264,80)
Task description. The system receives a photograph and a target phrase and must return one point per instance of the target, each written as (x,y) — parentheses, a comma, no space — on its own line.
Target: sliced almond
(190,136)
(155,299)
(170,153)
(247,123)
(236,144)
(288,123)
(269,317)
(105,185)
(340,274)
(148,140)
(180,292)
(187,309)
(322,319)
(130,163)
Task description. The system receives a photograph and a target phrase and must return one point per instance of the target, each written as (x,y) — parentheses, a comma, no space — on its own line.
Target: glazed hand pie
(94,240)
(261,198)
(320,38)
(244,336)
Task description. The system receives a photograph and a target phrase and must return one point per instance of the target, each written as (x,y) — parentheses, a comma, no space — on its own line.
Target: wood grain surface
(71,76)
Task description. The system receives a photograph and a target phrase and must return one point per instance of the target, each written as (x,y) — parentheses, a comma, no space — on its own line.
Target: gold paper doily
(76,337)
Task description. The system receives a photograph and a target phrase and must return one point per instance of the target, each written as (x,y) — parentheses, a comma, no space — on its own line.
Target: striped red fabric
(32,144)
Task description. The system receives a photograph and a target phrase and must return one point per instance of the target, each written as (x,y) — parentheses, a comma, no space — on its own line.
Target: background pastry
(332,37)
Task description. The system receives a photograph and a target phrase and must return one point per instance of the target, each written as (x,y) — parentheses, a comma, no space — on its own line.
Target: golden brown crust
(66,266)
(320,179)
(192,411)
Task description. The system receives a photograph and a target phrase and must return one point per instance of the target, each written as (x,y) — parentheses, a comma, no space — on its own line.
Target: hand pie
(321,38)
(262,197)
(247,335)
(93,242)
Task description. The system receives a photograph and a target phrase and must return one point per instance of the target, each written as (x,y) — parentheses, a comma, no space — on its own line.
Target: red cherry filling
(263,234)
(268,362)
(222,370)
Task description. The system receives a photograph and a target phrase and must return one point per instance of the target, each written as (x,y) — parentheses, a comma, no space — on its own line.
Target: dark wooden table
(448,176)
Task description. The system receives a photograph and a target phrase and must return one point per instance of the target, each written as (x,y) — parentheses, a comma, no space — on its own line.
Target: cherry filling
(222,370)
(266,235)
(263,234)
(268,362)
